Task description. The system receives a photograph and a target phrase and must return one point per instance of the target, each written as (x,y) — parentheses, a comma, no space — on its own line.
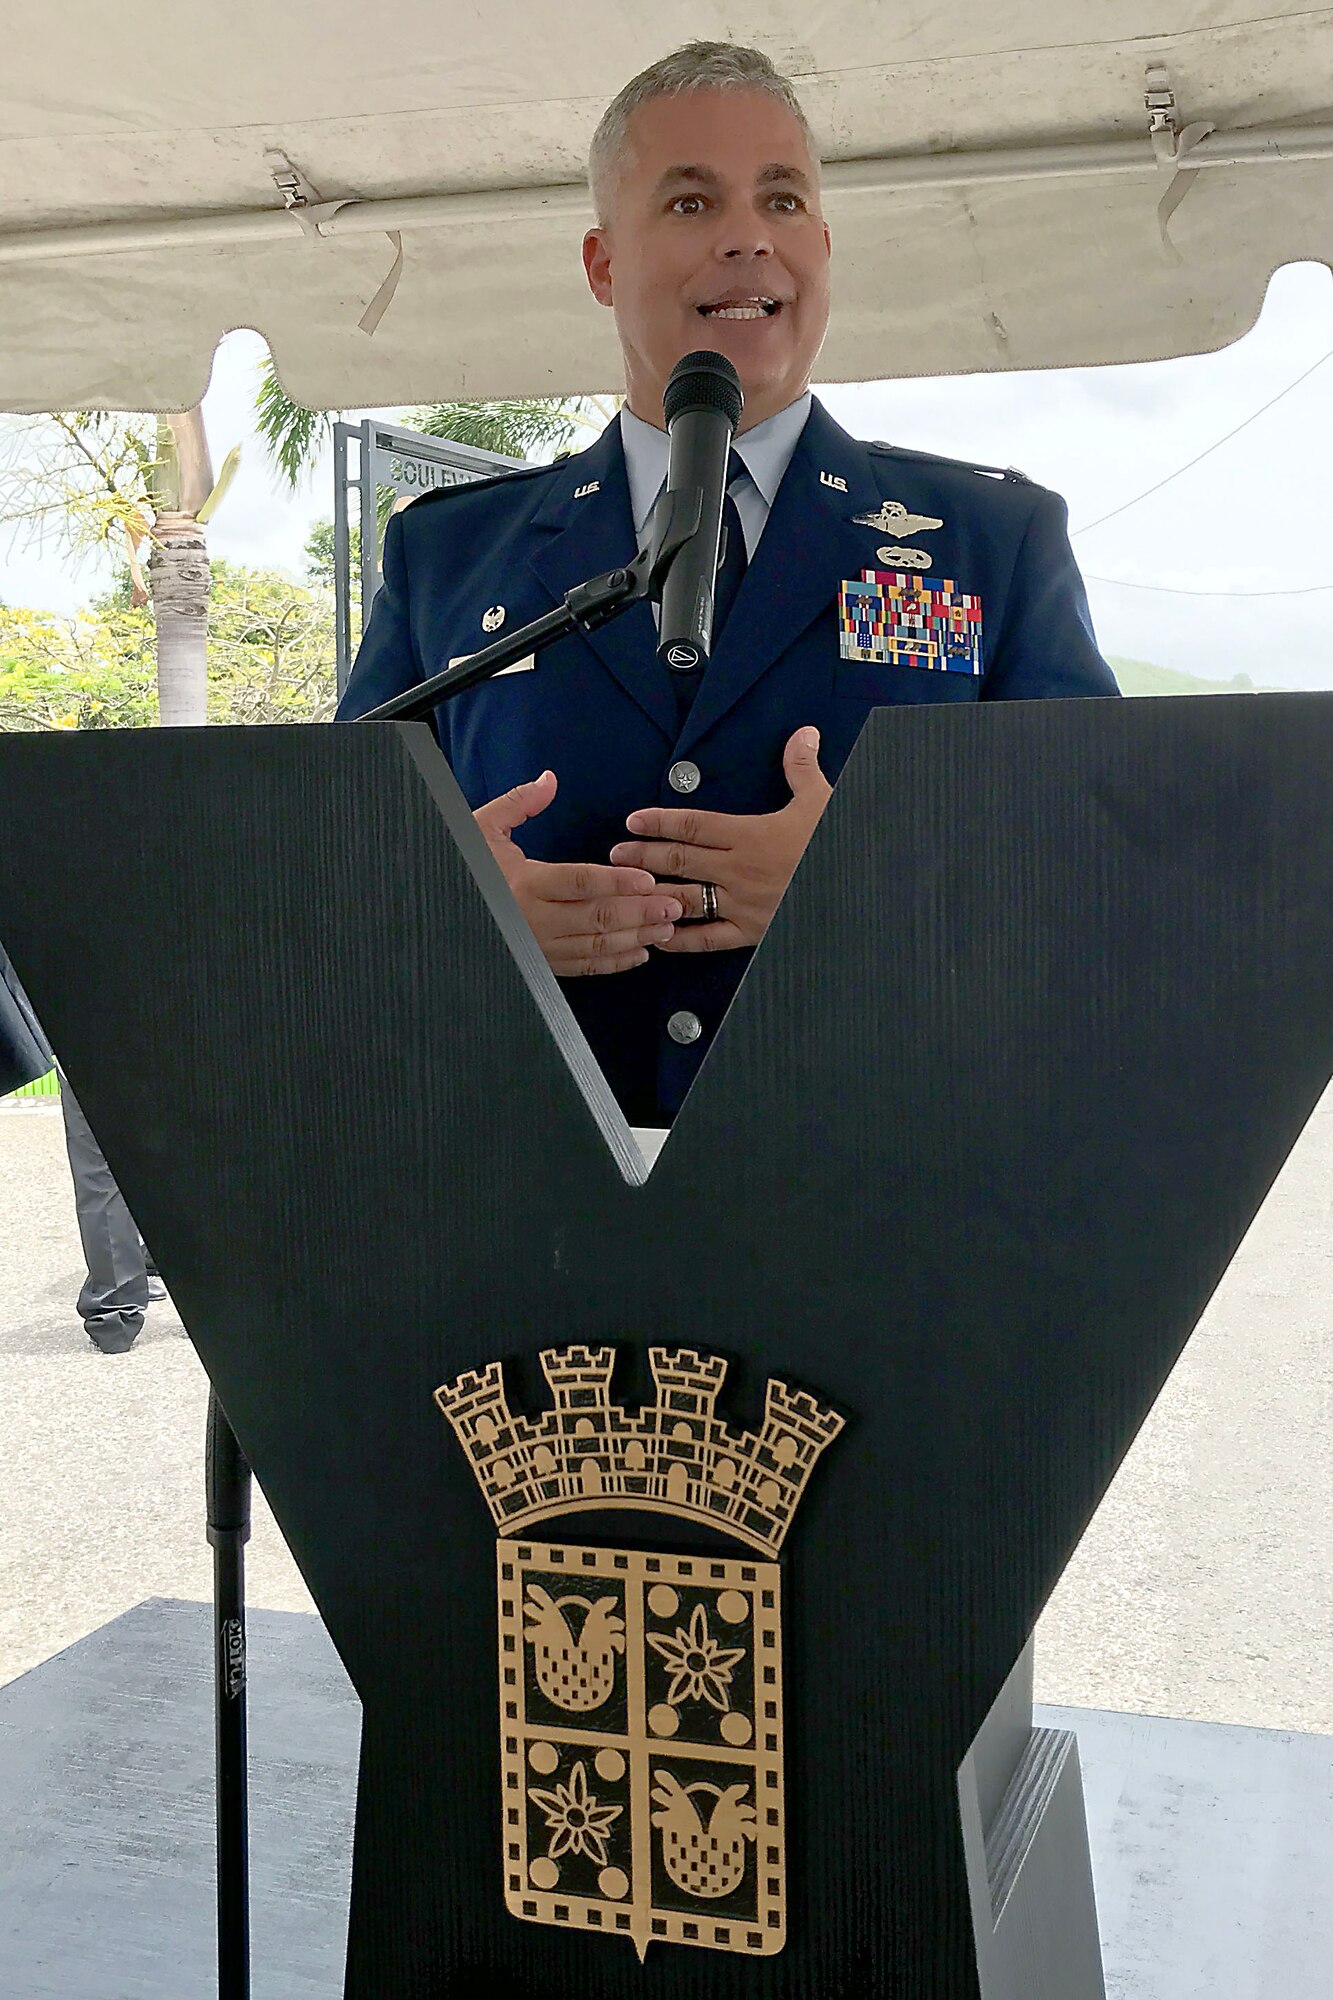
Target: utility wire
(1217,444)
(1175,590)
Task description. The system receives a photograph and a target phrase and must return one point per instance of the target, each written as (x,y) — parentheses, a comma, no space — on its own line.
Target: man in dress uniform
(648,822)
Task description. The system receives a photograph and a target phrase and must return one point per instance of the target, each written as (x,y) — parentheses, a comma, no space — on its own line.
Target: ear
(597,264)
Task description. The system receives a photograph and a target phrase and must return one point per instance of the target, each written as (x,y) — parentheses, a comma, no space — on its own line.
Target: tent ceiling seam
(902,173)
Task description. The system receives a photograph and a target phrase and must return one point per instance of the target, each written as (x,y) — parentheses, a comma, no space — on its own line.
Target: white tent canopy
(994,185)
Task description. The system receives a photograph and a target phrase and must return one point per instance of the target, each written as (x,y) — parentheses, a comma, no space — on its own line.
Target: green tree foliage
(1142,677)
(527,427)
(144,488)
(319,568)
(270,648)
(95,671)
(270,657)
(292,434)
(524,427)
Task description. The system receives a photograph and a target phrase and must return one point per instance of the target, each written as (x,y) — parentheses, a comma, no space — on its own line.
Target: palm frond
(519,427)
(292,434)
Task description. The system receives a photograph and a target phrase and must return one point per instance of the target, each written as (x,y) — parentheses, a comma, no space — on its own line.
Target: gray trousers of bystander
(114,1297)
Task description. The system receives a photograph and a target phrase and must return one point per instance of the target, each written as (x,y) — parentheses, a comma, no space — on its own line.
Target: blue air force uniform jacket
(601,712)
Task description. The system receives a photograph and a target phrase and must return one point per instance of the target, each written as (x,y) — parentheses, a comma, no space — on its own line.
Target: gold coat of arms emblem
(641,1721)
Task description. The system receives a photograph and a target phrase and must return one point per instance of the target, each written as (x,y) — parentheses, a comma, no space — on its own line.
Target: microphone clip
(673,522)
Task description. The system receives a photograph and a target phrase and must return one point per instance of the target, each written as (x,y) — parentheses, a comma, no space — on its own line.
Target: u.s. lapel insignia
(582,492)
(641,1729)
(894,519)
(492,620)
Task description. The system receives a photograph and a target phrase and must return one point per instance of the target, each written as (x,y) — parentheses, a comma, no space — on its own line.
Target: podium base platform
(1211,1846)
(106,1812)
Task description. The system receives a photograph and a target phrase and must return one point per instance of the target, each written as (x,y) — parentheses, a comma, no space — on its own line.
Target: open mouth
(756,307)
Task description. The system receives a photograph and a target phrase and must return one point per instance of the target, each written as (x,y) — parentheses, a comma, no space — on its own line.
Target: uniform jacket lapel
(809,544)
(583,537)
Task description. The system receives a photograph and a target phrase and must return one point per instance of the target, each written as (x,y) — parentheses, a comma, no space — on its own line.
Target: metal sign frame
(409,462)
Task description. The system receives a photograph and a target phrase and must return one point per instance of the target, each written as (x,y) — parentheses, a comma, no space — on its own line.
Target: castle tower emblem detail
(641,1694)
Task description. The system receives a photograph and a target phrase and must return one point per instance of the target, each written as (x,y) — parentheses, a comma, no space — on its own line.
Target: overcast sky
(1253,517)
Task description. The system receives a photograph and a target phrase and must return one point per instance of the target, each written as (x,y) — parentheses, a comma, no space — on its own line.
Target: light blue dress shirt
(765,452)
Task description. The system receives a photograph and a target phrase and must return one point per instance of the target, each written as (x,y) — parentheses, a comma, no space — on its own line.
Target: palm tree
(184,494)
(524,427)
(113,481)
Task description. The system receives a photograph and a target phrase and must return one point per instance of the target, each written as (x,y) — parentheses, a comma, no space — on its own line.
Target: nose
(744,235)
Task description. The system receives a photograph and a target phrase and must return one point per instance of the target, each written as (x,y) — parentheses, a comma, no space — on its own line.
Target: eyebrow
(706,177)
(778,172)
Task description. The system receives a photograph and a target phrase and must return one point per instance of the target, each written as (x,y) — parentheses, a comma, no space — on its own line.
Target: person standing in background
(121,1279)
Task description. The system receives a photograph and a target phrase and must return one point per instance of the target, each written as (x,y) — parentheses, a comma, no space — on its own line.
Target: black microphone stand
(227,1486)
(674,520)
(671,525)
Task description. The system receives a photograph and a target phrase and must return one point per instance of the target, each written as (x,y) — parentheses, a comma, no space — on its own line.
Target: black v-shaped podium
(1045,1008)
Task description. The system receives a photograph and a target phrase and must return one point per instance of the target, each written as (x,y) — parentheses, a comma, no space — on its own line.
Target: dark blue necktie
(731,569)
(730,572)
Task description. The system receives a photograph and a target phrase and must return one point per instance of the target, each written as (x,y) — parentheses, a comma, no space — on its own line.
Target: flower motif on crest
(579,1825)
(700,1669)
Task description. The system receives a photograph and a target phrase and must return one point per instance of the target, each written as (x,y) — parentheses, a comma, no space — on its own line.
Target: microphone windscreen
(703,381)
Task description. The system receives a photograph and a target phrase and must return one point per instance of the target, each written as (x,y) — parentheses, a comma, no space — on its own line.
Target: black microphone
(702,407)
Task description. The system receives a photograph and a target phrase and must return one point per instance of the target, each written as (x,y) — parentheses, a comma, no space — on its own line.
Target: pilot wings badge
(641,1730)
(894,519)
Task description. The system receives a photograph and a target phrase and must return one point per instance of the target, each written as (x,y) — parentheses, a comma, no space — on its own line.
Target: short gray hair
(697,66)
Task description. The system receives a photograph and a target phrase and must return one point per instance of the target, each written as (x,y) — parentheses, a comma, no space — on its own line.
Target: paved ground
(101,1455)
(1203,1589)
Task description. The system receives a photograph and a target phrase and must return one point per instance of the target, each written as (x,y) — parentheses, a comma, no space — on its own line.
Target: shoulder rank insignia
(640,1694)
(894,519)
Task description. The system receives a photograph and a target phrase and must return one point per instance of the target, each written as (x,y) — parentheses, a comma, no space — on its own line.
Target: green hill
(1141,677)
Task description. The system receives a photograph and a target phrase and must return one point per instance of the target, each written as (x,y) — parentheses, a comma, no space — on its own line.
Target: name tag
(906,620)
(523,666)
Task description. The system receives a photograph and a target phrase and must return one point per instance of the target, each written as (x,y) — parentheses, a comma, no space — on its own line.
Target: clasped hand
(590,918)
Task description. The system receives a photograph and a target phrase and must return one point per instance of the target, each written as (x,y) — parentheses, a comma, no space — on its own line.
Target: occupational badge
(910,621)
(493,618)
(905,558)
(641,1724)
(894,519)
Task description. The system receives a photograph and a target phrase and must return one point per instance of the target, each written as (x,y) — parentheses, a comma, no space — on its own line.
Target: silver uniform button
(684,1026)
(684,776)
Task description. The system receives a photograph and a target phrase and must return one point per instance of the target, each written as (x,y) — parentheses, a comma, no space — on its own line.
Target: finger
(667,857)
(521,802)
(692,897)
(617,914)
(686,823)
(587,881)
(612,944)
(588,966)
(800,763)
(721,936)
